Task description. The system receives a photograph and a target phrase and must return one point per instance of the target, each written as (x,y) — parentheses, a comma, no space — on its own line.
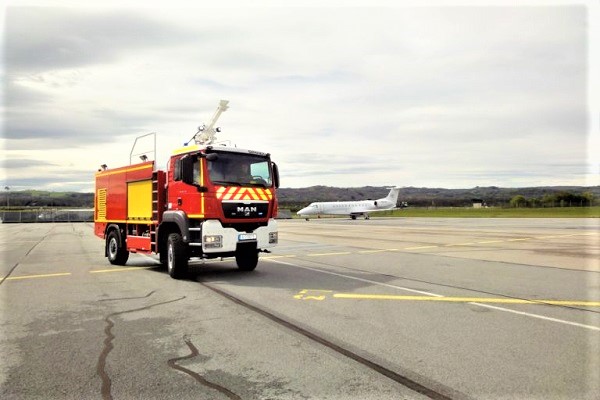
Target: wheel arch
(172,222)
(162,234)
(120,230)
(178,219)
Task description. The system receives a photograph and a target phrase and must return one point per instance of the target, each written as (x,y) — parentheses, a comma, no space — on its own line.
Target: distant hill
(419,197)
(439,197)
(40,198)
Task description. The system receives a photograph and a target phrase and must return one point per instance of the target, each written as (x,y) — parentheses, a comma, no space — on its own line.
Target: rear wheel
(246,257)
(116,252)
(177,260)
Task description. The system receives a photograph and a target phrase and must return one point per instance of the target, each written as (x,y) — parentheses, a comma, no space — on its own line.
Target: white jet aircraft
(352,208)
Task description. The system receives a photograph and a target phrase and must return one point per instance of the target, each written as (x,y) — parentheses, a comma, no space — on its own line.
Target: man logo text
(246,209)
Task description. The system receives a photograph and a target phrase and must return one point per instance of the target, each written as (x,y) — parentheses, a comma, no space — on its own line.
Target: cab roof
(195,148)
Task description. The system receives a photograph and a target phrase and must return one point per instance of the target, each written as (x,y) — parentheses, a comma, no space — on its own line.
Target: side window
(177,170)
(197,172)
(183,169)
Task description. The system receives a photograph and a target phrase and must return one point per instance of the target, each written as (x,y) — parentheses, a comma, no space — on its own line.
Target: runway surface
(342,309)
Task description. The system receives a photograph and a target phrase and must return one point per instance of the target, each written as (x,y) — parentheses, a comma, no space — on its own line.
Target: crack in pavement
(108,346)
(194,352)
(26,254)
(130,298)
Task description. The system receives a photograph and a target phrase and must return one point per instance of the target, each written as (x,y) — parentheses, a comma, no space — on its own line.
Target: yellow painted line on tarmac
(321,294)
(372,251)
(281,256)
(14,278)
(563,236)
(329,254)
(358,296)
(100,271)
(312,294)
(581,234)
(97,271)
(438,246)
(420,247)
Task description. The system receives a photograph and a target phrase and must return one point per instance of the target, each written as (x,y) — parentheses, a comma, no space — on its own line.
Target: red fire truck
(211,201)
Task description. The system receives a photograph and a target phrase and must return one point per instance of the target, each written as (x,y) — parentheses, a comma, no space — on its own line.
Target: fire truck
(212,201)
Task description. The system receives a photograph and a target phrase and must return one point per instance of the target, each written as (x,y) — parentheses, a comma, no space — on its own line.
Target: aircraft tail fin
(393,195)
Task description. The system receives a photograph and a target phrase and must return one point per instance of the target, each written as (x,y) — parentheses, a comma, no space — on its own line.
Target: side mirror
(275,175)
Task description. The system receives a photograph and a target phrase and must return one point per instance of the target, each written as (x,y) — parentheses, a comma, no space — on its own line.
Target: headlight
(213,241)
(273,237)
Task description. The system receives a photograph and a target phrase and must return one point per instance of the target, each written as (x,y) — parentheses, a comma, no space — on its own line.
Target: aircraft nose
(303,211)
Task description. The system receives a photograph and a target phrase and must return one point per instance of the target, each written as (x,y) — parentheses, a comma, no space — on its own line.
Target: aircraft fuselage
(351,208)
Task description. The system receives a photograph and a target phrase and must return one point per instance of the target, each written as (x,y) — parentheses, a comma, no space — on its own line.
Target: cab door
(185,185)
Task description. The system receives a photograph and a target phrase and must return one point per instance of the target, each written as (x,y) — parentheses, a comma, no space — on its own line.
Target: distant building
(284,214)
(478,203)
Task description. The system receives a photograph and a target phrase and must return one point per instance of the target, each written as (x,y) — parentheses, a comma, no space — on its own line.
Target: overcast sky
(435,96)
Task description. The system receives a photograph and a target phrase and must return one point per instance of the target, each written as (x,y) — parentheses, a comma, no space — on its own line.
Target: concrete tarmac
(469,308)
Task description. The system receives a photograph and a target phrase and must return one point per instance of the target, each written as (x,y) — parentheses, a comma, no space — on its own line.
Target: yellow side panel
(139,200)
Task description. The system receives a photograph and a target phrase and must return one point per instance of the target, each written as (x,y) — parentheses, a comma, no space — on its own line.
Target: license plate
(246,236)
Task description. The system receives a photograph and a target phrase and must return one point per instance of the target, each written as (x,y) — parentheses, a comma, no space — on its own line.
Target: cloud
(344,96)
(63,179)
(42,39)
(25,163)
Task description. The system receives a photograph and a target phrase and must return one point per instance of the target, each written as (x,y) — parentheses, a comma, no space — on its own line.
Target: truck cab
(222,200)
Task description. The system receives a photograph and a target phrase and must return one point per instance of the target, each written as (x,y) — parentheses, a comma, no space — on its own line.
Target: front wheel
(116,252)
(246,258)
(177,260)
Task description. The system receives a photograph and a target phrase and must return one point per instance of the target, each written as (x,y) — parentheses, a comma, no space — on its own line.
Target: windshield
(240,169)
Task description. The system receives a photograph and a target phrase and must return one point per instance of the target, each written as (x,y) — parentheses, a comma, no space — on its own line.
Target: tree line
(296,198)
(560,199)
(491,196)
(40,198)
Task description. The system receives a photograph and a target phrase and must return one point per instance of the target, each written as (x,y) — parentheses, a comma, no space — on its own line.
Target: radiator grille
(101,204)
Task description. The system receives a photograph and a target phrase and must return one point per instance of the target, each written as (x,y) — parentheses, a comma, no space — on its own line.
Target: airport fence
(68,215)
(47,215)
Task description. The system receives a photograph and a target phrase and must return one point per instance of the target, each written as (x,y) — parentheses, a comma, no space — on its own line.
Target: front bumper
(217,239)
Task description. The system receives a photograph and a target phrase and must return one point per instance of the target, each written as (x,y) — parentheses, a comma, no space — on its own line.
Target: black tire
(115,250)
(162,256)
(177,258)
(246,258)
